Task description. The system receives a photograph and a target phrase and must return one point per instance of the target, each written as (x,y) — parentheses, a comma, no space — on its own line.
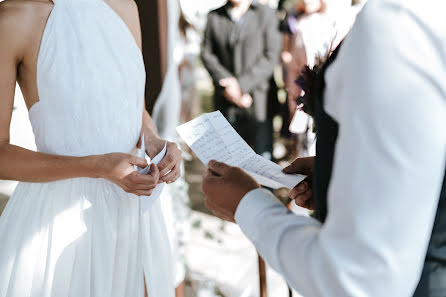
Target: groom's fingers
(300,165)
(219,168)
(302,200)
(310,204)
(211,182)
(299,189)
(218,211)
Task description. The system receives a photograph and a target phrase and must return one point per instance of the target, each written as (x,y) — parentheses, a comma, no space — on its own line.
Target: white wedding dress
(84,237)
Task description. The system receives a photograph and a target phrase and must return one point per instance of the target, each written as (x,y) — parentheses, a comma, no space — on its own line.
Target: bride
(74,225)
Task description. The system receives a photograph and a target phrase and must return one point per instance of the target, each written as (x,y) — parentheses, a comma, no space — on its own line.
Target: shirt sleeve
(387,173)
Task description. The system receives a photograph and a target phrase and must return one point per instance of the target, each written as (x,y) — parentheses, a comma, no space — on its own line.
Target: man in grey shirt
(240,50)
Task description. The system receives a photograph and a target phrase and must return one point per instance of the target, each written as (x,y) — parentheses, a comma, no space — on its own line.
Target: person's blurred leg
(263,135)
(243,127)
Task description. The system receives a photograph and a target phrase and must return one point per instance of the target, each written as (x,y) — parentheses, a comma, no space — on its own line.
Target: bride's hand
(170,165)
(118,168)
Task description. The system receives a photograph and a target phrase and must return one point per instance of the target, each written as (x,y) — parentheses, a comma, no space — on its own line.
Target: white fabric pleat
(84,237)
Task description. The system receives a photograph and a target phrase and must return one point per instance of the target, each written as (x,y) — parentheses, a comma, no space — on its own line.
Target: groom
(378,174)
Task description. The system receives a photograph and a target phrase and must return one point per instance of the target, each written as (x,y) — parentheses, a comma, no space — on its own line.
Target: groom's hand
(302,194)
(224,187)
(170,165)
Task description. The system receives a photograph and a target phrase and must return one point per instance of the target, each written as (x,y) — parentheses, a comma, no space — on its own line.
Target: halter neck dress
(83,236)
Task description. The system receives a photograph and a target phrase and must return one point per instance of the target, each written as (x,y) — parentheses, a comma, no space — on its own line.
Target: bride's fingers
(154,172)
(131,187)
(143,179)
(172,176)
(134,160)
(137,189)
(143,193)
(173,156)
(143,187)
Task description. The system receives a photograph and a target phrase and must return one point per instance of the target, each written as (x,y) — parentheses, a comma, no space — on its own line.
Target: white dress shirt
(387,91)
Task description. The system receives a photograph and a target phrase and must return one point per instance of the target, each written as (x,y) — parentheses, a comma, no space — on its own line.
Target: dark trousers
(259,135)
(433,280)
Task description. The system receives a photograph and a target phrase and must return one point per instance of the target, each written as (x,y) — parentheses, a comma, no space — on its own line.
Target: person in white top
(76,223)
(387,93)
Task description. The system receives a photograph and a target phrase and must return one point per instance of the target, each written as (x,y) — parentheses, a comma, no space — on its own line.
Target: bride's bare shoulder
(20,20)
(23,14)
(24,8)
(128,10)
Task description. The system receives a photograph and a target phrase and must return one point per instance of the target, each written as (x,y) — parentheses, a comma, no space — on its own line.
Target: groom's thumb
(219,168)
(299,166)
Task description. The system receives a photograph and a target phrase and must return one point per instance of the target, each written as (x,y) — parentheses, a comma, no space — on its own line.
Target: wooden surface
(262,278)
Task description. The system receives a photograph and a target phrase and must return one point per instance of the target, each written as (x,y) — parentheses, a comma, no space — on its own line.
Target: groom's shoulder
(395,17)
(391,10)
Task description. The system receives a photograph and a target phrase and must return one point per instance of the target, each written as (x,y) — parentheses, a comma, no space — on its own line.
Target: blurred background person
(293,59)
(310,30)
(186,53)
(240,50)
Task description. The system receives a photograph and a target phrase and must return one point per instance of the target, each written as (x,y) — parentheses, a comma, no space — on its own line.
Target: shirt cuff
(250,209)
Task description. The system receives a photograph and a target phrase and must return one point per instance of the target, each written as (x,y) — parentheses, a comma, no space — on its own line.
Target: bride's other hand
(170,165)
(302,194)
(118,168)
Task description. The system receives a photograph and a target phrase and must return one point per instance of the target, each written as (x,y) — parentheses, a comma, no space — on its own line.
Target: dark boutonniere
(310,82)
(307,81)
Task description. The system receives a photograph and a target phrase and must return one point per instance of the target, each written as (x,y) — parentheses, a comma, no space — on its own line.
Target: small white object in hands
(299,123)
(147,201)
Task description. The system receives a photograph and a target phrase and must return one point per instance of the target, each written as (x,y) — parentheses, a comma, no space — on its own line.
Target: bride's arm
(20,164)
(170,166)
(17,163)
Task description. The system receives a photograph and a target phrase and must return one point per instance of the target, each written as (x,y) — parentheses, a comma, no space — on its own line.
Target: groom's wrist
(249,210)
(246,204)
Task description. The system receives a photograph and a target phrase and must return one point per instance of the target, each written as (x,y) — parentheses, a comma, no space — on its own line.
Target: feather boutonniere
(309,82)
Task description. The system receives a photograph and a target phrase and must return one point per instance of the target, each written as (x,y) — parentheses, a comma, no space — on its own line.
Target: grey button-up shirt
(247,49)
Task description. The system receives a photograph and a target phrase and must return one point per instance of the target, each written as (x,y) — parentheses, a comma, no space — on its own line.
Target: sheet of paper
(147,201)
(299,123)
(271,172)
(238,148)
(211,137)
